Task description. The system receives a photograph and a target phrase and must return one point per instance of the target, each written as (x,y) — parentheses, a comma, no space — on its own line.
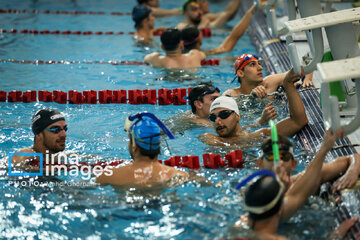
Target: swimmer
(159,12)
(266,201)
(144,24)
(144,148)
(345,168)
(192,37)
(172,45)
(248,71)
(201,98)
(197,14)
(49,128)
(224,113)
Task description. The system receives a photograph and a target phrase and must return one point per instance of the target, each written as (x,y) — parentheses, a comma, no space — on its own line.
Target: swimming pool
(196,209)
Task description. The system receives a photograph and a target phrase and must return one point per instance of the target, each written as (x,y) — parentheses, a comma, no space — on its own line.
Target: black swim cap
(140,12)
(44,118)
(190,36)
(171,38)
(263,198)
(283,142)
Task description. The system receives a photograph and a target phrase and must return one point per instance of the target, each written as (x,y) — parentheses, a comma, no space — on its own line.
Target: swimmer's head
(191,37)
(139,13)
(225,102)
(171,39)
(286,151)
(43,118)
(264,198)
(243,61)
(192,11)
(188,3)
(200,91)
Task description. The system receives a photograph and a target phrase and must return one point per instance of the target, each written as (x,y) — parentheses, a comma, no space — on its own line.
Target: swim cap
(190,35)
(283,142)
(140,12)
(244,59)
(146,134)
(225,102)
(44,118)
(263,198)
(187,3)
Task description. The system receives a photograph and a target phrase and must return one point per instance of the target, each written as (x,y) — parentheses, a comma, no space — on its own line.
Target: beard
(55,146)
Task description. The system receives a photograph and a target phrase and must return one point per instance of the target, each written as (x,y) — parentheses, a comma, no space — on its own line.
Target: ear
(293,165)
(39,137)
(240,73)
(260,163)
(198,104)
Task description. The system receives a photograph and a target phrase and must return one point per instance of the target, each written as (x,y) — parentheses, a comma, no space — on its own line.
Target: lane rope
(57,12)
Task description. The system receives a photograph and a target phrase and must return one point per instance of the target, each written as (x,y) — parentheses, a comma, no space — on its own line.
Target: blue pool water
(194,210)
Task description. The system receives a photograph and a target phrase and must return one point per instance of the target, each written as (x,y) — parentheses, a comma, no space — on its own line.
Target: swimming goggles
(283,157)
(243,60)
(222,114)
(56,129)
(208,90)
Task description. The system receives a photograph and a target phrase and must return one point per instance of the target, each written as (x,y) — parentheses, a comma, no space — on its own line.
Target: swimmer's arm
(275,80)
(196,54)
(351,176)
(309,182)
(230,41)
(334,169)
(159,12)
(212,16)
(159,29)
(181,25)
(212,140)
(226,15)
(298,118)
(152,58)
(23,162)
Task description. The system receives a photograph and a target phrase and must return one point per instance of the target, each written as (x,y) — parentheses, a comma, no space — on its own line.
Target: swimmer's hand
(292,77)
(330,138)
(268,113)
(349,179)
(259,91)
(308,81)
(343,228)
(282,174)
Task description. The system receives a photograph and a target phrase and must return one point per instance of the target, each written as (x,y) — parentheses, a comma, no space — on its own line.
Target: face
(204,5)
(150,20)
(55,142)
(226,127)
(251,72)
(153,3)
(207,101)
(194,13)
(289,165)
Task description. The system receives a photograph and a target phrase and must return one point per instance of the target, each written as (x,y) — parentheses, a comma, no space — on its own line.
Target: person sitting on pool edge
(248,71)
(197,13)
(159,12)
(172,45)
(144,148)
(347,166)
(201,97)
(266,200)
(144,24)
(49,128)
(192,37)
(224,112)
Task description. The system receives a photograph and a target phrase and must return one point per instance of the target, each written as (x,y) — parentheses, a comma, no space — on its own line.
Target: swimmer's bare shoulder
(19,159)
(153,58)
(197,54)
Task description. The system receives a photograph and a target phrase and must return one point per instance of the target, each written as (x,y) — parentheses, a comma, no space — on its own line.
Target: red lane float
(206,32)
(57,12)
(208,62)
(66,32)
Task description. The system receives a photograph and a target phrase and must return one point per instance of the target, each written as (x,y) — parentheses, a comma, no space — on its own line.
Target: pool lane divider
(206,32)
(161,96)
(208,62)
(234,159)
(57,12)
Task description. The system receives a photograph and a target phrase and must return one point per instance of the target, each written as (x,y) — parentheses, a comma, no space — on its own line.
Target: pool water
(204,208)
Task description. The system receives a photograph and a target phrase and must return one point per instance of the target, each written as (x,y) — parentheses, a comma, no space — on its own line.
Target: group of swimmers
(275,194)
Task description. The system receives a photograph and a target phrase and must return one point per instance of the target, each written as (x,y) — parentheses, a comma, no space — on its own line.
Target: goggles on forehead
(244,59)
(208,90)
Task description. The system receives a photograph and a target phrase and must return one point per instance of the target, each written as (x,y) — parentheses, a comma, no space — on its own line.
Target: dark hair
(142,1)
(261,193)
(283,142)
(196,94)
(187,3)
(171,38)
(139,14)
(189,36)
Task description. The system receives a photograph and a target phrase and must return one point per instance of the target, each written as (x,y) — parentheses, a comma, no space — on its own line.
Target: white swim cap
(225,102)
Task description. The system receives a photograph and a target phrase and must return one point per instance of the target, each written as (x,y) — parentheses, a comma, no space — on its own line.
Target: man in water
(347,166)
(224,112)
(201,98)
(197,13)
(144,24)
(266,201)
(49,127)
(174,58)
(192,37)
(248,71)
(159,12)
(144,148)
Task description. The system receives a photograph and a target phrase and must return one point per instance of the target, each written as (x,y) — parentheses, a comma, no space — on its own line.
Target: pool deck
(275,54)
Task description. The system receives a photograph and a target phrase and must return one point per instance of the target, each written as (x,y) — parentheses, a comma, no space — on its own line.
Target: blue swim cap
(140,12)
(146,134)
